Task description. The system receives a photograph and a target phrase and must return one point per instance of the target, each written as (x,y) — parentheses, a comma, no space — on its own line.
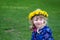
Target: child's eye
(36,20)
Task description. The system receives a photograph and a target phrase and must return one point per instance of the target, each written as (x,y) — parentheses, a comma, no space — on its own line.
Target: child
(40,30)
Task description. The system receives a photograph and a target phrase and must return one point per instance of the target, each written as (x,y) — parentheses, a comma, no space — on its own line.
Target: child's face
(38,21)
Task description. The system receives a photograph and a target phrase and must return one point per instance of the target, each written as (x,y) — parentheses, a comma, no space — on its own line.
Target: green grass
(14,18)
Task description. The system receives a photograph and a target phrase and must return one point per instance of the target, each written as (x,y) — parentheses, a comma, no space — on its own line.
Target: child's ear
(45,22)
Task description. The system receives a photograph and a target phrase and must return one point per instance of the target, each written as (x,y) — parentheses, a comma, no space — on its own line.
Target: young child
(40,30)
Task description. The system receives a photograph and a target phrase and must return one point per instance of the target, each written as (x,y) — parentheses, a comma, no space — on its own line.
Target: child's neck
(40,28)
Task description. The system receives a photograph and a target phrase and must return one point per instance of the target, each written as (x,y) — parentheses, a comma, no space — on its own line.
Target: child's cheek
(35,22)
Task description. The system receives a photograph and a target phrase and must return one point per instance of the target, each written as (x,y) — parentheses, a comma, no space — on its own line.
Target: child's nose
(38,20)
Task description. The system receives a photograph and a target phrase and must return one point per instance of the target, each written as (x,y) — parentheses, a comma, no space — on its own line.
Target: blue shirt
(45,34)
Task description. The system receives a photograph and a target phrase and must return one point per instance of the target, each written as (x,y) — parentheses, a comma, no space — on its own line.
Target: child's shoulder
(47,28)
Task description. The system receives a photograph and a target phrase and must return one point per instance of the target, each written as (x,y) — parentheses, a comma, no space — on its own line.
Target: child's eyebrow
(37,17)
(41,17)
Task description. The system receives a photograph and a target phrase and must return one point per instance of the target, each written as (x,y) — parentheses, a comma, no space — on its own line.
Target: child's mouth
(39,23)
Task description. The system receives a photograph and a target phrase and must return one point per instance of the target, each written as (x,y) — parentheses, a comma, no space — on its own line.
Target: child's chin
(39,25)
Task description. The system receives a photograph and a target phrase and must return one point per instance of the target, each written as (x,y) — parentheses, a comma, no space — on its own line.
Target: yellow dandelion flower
(38,11)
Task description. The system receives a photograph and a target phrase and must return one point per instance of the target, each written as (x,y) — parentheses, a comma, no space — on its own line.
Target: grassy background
(14,18)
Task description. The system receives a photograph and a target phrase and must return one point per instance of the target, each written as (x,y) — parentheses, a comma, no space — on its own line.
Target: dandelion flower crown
(37,12)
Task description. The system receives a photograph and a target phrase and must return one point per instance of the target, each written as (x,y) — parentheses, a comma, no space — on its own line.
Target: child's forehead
(39,16)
